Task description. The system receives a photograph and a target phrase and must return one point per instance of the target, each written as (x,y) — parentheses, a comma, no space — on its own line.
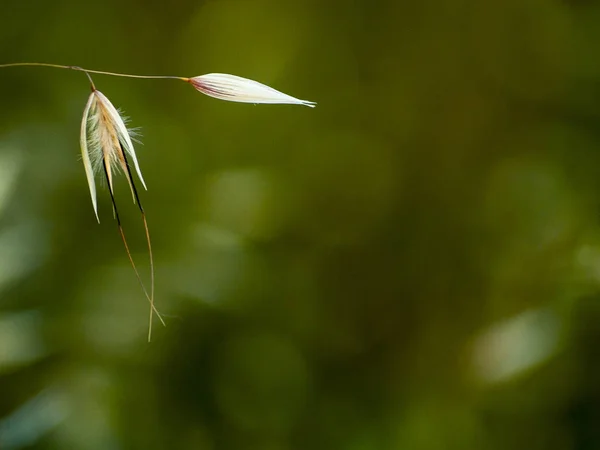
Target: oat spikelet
(237,89)
(106,145)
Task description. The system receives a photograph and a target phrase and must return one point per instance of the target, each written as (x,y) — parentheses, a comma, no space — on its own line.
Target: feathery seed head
(237,89)
(105,144)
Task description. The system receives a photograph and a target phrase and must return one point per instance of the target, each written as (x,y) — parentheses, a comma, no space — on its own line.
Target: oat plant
(107,143)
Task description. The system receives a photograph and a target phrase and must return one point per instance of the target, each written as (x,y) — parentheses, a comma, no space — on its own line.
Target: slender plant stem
(99,72)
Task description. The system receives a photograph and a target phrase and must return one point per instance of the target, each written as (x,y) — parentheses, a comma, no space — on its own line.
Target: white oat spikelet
(106,146)
(237,89)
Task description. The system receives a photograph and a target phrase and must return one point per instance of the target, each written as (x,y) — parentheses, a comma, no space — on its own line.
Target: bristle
(137,200)
(137,274)
(135,133)
(151,275)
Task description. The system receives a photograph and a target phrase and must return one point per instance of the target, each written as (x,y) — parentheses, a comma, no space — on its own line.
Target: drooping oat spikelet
(243,90)
(106,145)
(104,136)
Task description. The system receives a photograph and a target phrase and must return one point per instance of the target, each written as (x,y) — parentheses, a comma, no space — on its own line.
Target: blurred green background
(414,264)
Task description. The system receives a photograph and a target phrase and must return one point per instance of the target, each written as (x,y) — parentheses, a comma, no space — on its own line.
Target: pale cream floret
(104,136)
(237,89)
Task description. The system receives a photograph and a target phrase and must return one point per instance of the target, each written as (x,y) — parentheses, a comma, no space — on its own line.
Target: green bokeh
(414,264)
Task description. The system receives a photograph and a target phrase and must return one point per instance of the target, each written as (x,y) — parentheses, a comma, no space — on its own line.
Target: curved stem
(99,72)
(93,86)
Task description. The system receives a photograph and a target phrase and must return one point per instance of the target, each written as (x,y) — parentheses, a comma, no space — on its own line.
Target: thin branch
(99,72)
